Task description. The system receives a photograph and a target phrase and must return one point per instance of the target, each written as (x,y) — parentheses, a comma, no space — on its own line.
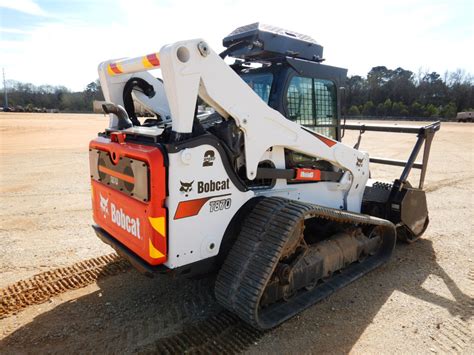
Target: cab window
(261,83)
(313,103)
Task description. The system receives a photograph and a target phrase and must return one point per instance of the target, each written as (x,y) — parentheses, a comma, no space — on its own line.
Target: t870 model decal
(219,205)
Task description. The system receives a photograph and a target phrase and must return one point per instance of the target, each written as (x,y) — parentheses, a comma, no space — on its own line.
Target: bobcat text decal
(127,223)
(211,186)
(120,218)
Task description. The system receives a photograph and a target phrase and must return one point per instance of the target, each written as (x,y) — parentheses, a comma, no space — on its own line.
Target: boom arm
(113,77)
(191,68)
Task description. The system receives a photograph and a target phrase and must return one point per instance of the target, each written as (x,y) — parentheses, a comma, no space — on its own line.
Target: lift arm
(191,69)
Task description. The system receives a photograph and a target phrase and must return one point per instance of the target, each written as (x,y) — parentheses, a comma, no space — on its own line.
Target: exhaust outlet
(123,121)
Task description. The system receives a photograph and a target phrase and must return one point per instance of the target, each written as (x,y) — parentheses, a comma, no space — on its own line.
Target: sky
(62,42)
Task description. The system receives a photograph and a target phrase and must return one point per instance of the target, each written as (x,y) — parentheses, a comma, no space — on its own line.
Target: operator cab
(284,68)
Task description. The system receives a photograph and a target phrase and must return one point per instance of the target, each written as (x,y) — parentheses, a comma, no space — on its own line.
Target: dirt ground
(420,302)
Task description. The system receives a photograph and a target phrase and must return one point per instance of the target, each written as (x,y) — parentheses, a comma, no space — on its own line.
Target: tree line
(29,97)
(383,93)
(402,93)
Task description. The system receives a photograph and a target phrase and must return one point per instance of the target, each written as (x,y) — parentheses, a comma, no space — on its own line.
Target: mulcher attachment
(402,204)
(290,255)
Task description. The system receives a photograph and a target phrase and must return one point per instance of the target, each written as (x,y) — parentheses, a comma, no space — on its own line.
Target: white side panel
(199,237)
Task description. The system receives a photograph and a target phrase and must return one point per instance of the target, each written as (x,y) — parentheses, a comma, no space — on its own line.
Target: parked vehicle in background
(465,116)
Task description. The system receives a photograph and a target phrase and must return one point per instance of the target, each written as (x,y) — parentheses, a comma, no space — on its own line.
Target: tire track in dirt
(42,287)
(455,335)
(445,183)
(193,324)
(196,311)
(223,333)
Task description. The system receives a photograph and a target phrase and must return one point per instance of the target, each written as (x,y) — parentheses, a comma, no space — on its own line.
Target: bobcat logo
(104,205)
(359,161)
(186,187)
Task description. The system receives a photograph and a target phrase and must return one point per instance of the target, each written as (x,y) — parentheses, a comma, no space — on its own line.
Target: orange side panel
(127,219)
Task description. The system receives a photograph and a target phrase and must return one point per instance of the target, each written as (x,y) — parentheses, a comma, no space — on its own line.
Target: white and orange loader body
(246,190)
(195,229)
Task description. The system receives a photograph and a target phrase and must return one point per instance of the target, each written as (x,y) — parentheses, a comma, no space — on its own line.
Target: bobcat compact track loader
(261,190)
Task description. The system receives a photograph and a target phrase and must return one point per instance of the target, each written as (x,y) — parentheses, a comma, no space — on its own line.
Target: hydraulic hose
(132,84)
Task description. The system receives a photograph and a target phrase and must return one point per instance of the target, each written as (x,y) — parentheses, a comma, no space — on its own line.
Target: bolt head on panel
(203,48)
(186,156)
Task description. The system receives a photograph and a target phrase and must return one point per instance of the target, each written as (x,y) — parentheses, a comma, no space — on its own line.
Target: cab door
(312,103)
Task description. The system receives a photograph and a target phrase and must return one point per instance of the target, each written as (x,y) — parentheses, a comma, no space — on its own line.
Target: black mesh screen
(300,101)
(312,103)
(260,83)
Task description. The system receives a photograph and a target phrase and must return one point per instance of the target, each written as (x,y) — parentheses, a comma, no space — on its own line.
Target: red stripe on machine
(329,142)
(115,68)
(153,59)
(325,140)
(192,207)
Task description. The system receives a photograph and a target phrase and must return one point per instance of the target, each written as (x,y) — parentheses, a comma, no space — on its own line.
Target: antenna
(5,103)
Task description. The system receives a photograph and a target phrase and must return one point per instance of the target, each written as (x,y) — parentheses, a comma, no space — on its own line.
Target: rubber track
(40,288)
(223,333)
(242,279)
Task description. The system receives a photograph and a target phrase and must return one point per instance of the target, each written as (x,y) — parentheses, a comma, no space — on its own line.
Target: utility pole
(5,103)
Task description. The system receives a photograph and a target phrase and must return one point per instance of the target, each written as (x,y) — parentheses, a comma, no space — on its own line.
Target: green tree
(399,109)
(417,109)
(431,111)
(432,89)
(387,107)
(354,111)
(369,108)
(29,108)
(380,110)
(449,111)
(356,91)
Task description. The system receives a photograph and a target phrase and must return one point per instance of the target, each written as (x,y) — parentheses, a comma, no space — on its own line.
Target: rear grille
(129,176)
